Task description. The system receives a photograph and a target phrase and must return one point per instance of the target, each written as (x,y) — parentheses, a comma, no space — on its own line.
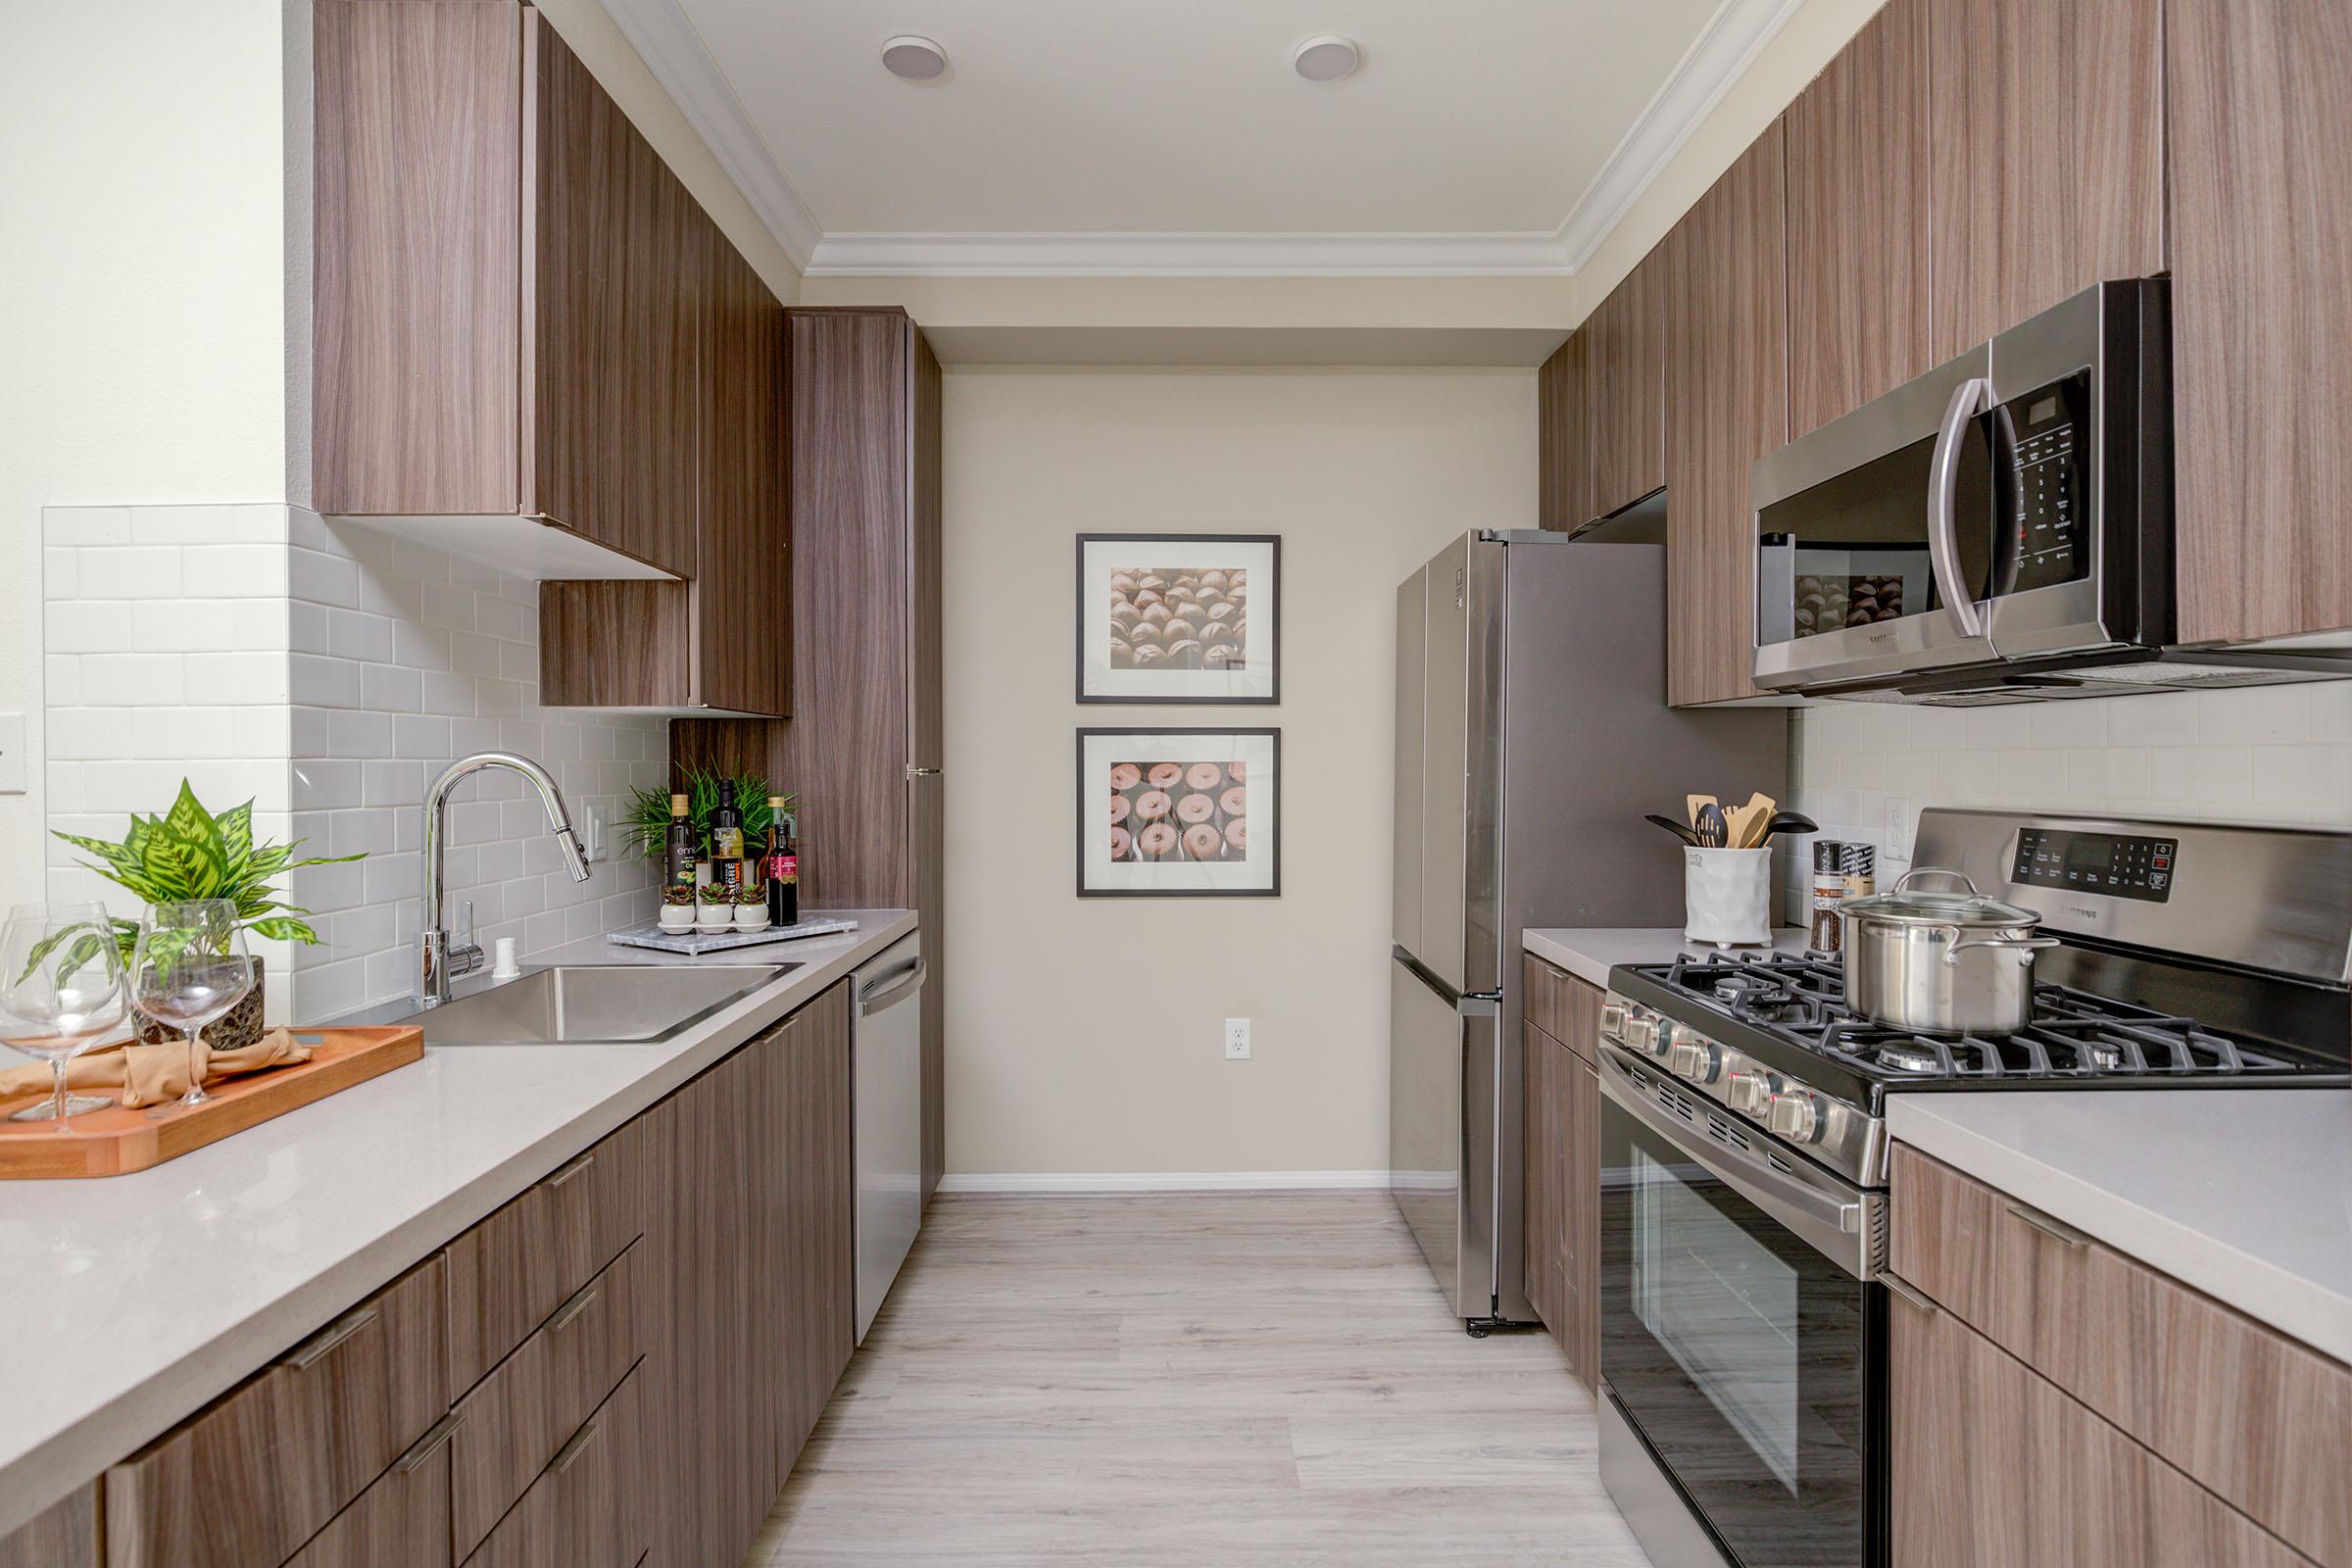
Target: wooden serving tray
(118,1140)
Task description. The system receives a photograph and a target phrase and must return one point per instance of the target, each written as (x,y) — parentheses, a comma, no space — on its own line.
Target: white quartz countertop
(1589,952)
(133,1300)
(2244,1194)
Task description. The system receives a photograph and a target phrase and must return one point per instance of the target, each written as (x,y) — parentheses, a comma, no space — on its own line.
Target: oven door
(1740,1336)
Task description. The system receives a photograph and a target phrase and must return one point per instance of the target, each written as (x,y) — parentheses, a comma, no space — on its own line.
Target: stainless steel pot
(1941,963)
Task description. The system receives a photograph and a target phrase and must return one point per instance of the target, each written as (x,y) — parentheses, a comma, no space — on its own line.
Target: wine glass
(190,968)
(60,992)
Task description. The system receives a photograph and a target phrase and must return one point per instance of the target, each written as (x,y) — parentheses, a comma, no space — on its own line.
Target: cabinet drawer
(2241,1409)
(586,1508)
(400,1522)
(516,1419)
(508,1274)
(63,1535)
(1563,1007)
(253,1477)
(1994,1467)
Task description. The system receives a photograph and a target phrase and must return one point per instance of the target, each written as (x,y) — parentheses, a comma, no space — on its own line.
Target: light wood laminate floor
(1231,1379)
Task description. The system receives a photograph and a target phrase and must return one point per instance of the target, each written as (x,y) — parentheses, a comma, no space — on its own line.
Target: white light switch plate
(12,754)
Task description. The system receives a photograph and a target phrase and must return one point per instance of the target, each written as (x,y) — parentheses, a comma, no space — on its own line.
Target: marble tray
(701,942)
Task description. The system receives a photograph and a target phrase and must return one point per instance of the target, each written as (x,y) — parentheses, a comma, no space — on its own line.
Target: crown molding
(1179,255)
(1719,57)
(675,54)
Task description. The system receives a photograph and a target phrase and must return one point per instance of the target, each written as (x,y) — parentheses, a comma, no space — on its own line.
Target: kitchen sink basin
(618,1003)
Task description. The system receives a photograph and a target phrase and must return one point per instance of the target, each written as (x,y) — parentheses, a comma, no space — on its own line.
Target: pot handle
(1963,878)
(1951,954)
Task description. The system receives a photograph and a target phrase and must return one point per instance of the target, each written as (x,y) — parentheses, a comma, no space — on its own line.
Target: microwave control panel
(2117,864)
(2043,430)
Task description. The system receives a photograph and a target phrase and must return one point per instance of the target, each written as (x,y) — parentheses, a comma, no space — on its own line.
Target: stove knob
(1612,1019)
(1693,1059)
(1796,1115)
(1641,1032)
(1749,1090)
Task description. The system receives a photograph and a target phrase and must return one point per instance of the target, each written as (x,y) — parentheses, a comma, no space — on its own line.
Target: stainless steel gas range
(1743,1148)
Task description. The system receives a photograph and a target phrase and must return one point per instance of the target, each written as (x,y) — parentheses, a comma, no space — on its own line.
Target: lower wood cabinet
(1562,1163)
(1993,1466)
(402,1521)
(587,1510)
(63,1535)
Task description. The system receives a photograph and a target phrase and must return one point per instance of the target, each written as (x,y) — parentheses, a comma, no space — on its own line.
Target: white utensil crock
(1726,896)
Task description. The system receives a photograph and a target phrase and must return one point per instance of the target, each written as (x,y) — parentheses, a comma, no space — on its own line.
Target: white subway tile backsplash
(235,571)
(2255,716)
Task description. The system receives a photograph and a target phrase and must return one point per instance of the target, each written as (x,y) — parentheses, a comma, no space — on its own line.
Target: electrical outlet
(1237,1040)
(12,754)
(1897,849)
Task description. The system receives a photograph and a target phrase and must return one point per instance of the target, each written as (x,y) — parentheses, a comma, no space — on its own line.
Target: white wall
(2273,754)
(1083,1034)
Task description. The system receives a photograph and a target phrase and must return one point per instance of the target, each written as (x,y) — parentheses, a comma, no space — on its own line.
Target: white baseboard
(1110,1183)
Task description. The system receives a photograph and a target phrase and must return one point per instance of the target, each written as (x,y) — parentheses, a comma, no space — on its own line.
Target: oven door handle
(1970,398)
(1833,1224)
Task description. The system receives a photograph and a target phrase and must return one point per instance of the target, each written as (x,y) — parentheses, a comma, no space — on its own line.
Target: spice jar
(1827,934)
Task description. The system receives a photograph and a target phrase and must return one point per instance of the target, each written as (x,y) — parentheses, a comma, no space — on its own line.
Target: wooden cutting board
(118,1140)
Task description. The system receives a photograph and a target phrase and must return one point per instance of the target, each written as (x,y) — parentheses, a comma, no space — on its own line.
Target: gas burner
(1919,1056)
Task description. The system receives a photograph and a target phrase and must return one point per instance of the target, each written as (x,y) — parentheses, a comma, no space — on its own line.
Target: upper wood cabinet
(1858,249)
(1625,388)
(2261,141)
(1727,399)
(2046,123)
(506,294)
(1563,438)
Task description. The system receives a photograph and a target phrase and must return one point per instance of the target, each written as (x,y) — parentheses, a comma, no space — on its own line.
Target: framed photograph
(1179,813)
(1179,617)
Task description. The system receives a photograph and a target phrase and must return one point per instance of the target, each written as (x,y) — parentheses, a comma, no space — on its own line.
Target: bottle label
(787,868)
(727,844)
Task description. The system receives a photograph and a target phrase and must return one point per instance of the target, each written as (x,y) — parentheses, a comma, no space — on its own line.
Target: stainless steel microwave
(2012,504)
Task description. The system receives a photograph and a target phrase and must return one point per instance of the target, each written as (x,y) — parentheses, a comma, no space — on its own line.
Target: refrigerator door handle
(1474,1004)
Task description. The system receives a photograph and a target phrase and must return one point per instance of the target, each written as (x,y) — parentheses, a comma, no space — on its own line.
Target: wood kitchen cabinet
(1561,1106)
(2046,173)
(63,1535)
(1859,248)
(1727,403)
(1625,388)
(2261,141)
(1563,439)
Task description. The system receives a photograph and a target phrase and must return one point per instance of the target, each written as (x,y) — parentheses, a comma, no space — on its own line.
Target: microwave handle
(1970,398)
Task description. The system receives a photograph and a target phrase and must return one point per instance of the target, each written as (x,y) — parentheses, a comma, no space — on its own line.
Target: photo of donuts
(1834,603)
(1178,618)
(1177,812)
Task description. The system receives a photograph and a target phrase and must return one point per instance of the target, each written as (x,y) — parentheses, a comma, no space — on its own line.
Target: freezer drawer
(887,1118)
(1443,1167)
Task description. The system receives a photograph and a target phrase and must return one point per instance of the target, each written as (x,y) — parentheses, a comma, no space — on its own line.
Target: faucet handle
(464,937)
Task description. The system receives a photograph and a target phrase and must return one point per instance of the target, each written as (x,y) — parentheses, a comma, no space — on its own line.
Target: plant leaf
(283,928)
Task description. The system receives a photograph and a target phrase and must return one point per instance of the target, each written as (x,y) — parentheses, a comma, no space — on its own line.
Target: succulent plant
(714,893)
(751,893)
(678,896)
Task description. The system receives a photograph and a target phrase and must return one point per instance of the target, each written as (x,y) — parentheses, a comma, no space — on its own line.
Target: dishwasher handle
(885,992)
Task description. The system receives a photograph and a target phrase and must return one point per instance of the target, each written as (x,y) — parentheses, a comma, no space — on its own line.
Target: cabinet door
(1542,1061)
(927,690)
(1727,405)
(1625,380)
(1580,1202)
(817,1254)
(742,579)
(2048,169)
(1993,1467)
(1858,262)
(1565,438)
(617,281)
(2261,141)
(63,1535)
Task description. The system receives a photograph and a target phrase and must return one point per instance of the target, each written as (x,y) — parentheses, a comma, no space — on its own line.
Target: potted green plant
(647,820)
(189,854)
(677,909)
(717,901)
(751,906)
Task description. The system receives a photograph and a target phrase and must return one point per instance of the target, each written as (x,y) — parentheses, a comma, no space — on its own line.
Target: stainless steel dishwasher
(886,1139)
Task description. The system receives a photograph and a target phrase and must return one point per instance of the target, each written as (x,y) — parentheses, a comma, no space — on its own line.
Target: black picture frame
(1271,542)
(1271,735)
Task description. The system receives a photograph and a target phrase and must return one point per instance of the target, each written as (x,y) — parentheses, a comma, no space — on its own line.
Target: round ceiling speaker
(1327,57)
(916,59)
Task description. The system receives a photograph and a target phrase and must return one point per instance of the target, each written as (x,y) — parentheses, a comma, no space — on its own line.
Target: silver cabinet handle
(1907,1296)
(308,1353)
(1969,399)
(571,1309)
(2055,1230)
(914,771)
(440,1433)
(579,1441)
(876,996)
(568,1170)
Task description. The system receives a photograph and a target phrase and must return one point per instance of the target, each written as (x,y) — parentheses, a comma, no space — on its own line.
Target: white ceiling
(1091,137)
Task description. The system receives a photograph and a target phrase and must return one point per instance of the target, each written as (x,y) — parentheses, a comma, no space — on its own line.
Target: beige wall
(1083,1035)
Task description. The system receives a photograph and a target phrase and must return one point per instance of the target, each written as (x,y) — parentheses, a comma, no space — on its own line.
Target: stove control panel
(2121,865)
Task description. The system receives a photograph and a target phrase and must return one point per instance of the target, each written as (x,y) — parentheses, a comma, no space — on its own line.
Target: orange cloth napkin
(148,1075)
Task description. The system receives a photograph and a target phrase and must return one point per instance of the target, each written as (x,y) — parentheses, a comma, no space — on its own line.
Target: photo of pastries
(1834,603)
(1181,618)
(1179,811)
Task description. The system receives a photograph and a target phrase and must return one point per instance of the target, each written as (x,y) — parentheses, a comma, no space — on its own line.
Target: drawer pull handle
(571,1450)
(306,1355)
(425,1446)
(565,1173)
(571,1309)
(2050,1227)
(1906,1295)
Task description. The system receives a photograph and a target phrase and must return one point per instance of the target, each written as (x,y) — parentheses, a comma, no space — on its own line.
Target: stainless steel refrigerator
(1531,734)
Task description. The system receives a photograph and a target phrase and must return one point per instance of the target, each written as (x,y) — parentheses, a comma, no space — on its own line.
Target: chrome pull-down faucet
(437,962)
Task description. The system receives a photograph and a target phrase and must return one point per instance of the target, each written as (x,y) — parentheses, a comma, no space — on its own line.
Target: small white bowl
(715,917)
(750,918)
(677,917)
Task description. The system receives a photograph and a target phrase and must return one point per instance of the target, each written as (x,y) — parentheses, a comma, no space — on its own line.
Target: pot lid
(1905,905)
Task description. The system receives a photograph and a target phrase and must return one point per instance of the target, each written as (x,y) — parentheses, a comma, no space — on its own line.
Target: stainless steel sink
(618,1003)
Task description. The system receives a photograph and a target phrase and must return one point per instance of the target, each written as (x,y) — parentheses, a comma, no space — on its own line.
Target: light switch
(12,754)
